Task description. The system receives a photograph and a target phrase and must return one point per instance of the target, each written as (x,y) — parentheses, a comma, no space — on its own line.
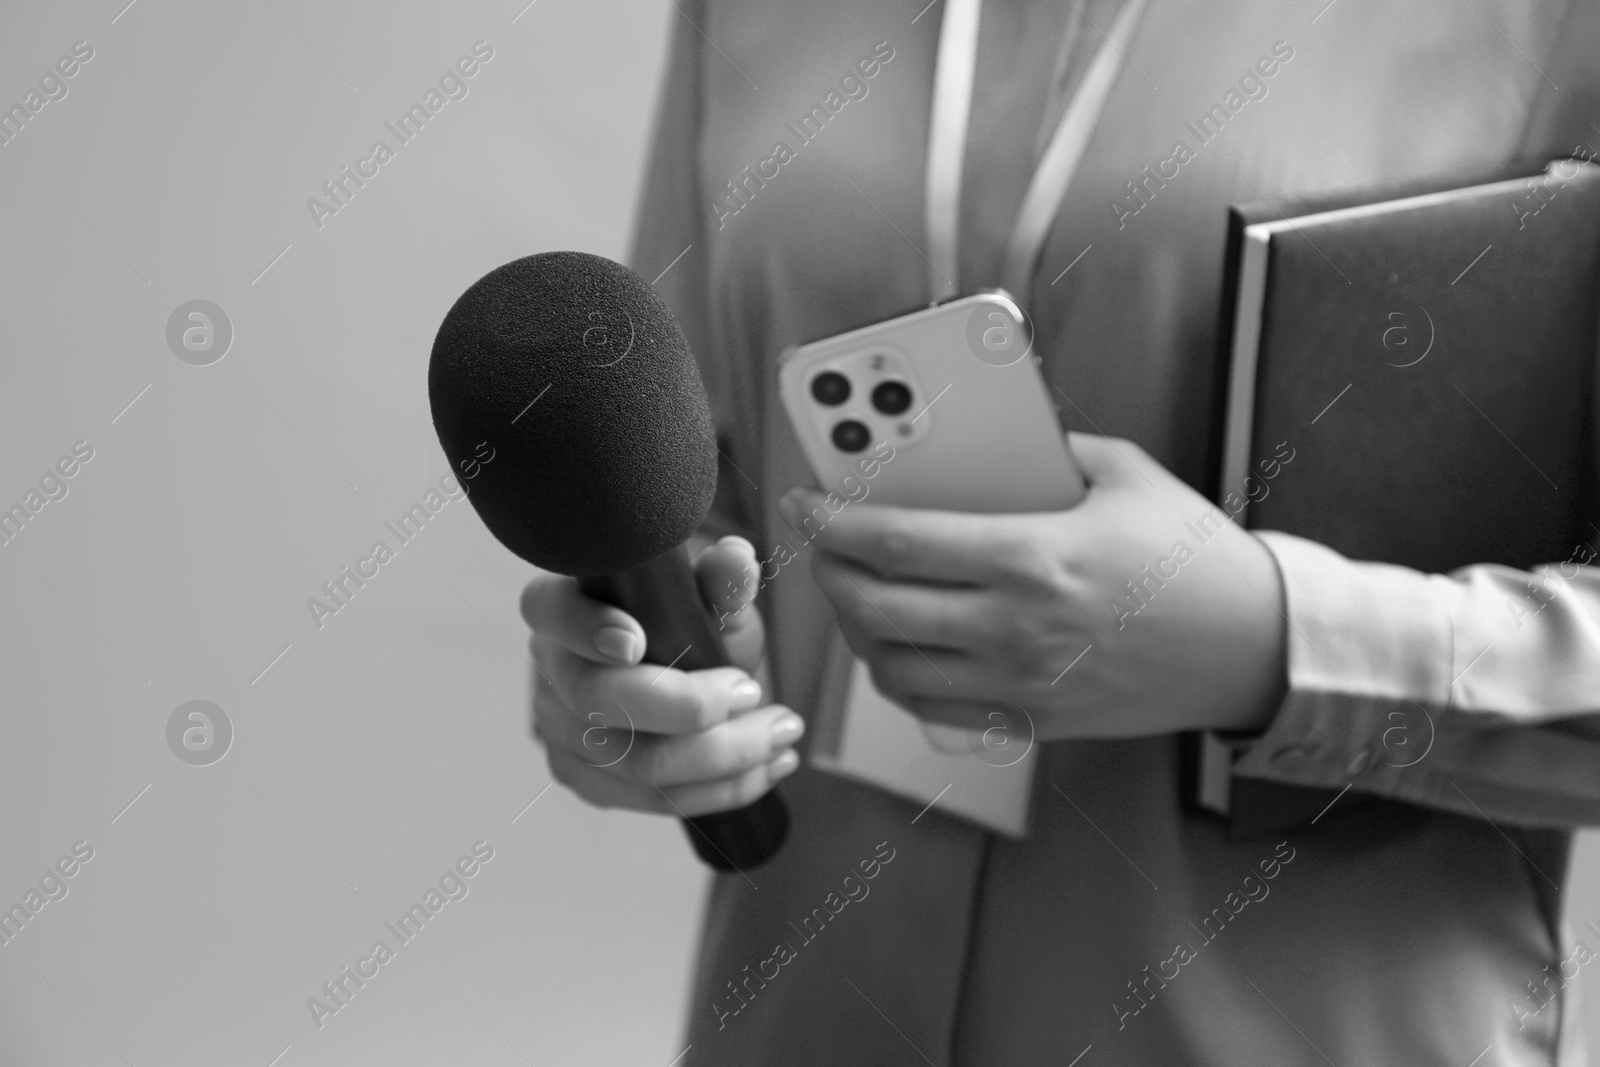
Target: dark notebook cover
(1430,360)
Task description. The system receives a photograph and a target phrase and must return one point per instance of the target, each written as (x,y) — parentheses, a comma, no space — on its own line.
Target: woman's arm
(1478,691)
(1144,611)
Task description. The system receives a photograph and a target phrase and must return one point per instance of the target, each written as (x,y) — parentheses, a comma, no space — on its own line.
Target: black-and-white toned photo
(711,533)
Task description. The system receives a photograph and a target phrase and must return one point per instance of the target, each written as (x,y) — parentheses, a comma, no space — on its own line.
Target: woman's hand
(960,615)
(621,733)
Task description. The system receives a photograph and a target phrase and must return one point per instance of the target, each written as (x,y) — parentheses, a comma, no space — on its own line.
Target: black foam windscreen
(572,374)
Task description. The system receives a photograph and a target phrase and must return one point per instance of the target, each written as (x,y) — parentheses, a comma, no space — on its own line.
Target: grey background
(375,751)
(394,737)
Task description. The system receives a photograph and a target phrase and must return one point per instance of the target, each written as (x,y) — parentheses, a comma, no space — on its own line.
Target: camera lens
(830,388)
(891,397)
(851,436)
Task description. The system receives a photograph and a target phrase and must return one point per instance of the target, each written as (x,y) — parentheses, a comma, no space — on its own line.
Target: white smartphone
(955,389)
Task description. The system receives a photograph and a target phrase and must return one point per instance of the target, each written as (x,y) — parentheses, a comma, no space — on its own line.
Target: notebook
(1428,362)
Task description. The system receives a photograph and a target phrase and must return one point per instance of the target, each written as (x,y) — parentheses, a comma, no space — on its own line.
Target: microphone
(574,372)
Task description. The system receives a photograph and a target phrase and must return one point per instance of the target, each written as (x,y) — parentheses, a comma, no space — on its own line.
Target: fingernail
(745,695)
(787,730)
(735,539)
(615,643)
(789,504)
(783,766)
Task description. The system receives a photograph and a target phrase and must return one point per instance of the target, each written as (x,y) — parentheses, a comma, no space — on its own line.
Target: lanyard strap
(954,71)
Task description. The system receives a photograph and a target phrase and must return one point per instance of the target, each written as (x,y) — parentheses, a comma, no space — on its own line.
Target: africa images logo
(199,732)
(742,188)
(342,188)
(199,332)
(1209,126)
(453,885)
(53,86)
(855,889)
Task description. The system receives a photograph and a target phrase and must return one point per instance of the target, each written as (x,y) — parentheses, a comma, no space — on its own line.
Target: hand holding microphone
(705,744)
(573,369)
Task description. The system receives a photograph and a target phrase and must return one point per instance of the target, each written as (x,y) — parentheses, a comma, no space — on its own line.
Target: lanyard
(954,68)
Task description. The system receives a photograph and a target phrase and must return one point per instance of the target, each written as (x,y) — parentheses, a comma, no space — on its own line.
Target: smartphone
(955,389)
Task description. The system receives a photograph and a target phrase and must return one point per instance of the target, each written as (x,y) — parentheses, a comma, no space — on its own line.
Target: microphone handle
(663,595)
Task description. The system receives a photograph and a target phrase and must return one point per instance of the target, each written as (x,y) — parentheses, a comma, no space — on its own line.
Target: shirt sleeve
(1477,692)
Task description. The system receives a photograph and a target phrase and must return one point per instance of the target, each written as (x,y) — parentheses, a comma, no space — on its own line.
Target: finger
(600,787)
(860,643)
(660,700)
(938,616)
(976,715)
(602,739)
(906,672)
(939,546)
(703,798)
(728,574)
(607,790)
(1110,462)
(739,745)
(542,687)
(554,607)
(729,579)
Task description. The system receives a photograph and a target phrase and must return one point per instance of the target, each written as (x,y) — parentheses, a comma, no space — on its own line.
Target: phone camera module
(851,436)
(830,388)
(891,397)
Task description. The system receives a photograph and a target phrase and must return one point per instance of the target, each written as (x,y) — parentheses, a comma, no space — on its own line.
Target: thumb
(1113,462)
(729,577)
